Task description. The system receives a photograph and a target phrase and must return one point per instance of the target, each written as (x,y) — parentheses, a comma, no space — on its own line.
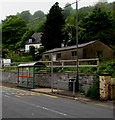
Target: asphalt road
(18,103)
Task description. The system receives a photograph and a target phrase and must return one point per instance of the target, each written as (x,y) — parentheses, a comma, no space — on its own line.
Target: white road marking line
(42,107)
(50,96)
(17,96)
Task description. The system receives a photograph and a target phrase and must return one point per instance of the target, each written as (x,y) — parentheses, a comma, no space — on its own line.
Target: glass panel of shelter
(26,76)
(20,74)
(24,82)
(30,77)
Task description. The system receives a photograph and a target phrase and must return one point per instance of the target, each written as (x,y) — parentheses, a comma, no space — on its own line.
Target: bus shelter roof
(33,64)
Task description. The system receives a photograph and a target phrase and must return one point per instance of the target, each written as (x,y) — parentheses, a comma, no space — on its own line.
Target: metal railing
(72,63)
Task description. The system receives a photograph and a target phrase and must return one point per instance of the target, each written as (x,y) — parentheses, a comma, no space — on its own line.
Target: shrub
(93,92)
(107,67)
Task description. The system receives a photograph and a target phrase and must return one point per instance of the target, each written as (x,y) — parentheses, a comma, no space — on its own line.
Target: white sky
(11,7)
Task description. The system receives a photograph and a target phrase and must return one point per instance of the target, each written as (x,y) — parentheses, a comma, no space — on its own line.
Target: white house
(35,41)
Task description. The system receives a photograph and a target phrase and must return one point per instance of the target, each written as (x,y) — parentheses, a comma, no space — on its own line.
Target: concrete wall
(60,80)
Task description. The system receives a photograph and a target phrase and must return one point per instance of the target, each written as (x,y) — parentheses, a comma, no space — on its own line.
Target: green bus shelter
(26,74)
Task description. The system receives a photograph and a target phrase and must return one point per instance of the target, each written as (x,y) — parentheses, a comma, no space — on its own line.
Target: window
(100,55)
(74,53)
(46,56)
(59,55)
(30,40)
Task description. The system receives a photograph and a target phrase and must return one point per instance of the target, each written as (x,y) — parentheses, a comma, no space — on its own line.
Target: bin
(71,83)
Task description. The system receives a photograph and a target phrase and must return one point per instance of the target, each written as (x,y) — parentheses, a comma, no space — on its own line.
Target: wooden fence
(65,63)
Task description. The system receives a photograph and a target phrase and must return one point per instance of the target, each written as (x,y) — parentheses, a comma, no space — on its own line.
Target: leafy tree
(17,57)
(37,24)
(40,50)
(67,10)
(70,28)
(25,15)
(83,12)
(24,38)
(38,14)
(13,28)
(98,25)
(32,52)
(70,23)
(70,35)
(40,25)
(52,35)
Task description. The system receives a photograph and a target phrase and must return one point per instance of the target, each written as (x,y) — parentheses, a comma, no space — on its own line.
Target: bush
(107,67)
(104,67)
(93,92)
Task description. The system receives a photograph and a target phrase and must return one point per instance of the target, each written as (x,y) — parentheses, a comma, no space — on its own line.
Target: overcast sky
(11,7)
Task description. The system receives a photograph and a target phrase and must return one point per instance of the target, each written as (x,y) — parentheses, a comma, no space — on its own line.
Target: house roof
(70,47)
(36,38)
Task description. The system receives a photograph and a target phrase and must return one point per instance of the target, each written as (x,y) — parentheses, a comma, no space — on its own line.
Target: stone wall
(9,76)
(59,79)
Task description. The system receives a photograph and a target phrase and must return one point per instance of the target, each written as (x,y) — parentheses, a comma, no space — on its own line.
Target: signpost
(53,58)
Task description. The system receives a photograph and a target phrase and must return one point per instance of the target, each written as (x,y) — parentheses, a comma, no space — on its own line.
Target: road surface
(17,103)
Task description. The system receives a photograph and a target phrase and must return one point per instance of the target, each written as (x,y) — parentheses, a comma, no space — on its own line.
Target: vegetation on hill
(35,21)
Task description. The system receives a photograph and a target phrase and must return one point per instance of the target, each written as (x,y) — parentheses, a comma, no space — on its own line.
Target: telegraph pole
(77,59)
(77,64)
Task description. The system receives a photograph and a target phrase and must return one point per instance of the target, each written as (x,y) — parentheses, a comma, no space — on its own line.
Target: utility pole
(77,60)
(77,64)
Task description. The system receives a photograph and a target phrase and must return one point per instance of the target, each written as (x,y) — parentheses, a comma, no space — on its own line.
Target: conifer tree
(52,35)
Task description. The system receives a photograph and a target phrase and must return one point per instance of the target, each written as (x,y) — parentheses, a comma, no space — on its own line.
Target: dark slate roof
(36,38)
(70,47)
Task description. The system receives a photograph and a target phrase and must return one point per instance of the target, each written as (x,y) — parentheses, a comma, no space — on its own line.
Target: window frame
(73,53)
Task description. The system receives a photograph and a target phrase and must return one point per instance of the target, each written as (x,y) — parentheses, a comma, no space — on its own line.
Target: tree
(98,25)
(32,52)
(67,10)
(52,35)
(13,28)
(25,15)
(24,38)
(38,14)
(70,29)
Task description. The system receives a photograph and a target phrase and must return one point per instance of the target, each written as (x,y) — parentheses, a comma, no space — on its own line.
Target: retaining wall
(59,79)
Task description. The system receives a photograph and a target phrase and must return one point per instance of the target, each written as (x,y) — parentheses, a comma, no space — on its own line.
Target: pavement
(67,95)
(77,97)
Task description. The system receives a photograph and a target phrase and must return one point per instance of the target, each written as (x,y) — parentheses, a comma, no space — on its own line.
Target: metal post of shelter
(51,72)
